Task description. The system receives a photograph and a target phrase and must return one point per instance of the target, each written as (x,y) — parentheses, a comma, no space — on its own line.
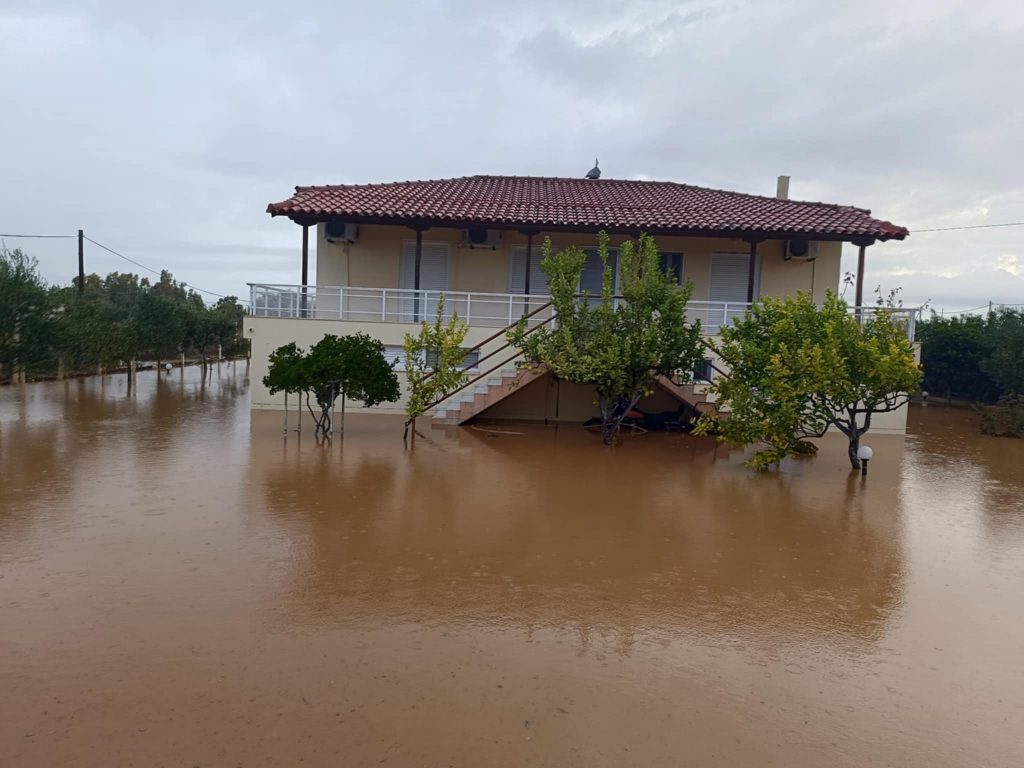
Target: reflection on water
(664,538)
(181,584)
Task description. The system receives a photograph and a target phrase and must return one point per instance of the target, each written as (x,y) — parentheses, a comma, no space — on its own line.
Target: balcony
(477,309)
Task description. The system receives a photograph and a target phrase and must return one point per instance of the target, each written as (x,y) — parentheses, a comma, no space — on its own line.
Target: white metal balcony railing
(495,310)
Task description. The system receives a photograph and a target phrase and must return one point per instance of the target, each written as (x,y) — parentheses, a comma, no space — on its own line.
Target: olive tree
(796,369)
(352,367)
(619,345)
(434,360)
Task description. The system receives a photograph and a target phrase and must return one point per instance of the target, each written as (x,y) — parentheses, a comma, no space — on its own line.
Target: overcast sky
(164,129)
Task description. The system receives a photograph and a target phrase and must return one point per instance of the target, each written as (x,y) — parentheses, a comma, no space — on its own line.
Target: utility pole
(81,262)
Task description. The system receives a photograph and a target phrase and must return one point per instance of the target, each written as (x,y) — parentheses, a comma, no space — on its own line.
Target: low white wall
(269,333)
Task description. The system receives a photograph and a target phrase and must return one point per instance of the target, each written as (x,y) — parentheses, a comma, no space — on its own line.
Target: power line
(119,255)
(970,226)
(150,269)
(52,237)
(122,256)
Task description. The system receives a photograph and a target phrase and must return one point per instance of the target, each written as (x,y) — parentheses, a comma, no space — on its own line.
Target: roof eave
(309,218)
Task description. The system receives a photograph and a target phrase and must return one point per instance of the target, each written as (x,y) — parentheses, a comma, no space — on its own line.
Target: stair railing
(474,379)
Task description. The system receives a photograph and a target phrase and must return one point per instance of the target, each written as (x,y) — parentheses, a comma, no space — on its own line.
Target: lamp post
(864,453)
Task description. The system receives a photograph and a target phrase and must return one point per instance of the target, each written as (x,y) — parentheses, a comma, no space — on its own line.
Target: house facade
(386,253)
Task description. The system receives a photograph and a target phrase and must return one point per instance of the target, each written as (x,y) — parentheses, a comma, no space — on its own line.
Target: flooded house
(386,254)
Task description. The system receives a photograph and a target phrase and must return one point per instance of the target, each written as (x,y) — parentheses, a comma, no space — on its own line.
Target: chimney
(782,188)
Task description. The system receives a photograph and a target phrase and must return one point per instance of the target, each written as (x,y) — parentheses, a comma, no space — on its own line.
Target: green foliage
(27,328)
(285,372)
(114,320)
(952,351)
(352,367)
(1005,361)
(618,345)
(973,357)
(795,369)
(433,363)
(1005,418)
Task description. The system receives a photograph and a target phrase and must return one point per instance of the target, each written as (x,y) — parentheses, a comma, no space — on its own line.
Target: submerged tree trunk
(613,412)
(854,448)
(853,432)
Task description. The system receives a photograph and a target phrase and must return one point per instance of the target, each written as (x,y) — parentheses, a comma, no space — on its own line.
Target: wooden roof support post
(305,265)
(860,277)
(751,271)
(419,259)
(529,258)
(863,244)
(416,273)
(529,263)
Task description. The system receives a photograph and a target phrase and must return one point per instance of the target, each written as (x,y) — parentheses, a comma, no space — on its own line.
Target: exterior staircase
(484,392)
(484,389)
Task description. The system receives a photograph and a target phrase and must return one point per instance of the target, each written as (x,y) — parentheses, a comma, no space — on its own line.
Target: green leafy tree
(352,367)
(1005,360)
(433,363)
(27,323)
(285,373)
(617,345)
(206,328)
(162,322)
(796,369)
(953,350)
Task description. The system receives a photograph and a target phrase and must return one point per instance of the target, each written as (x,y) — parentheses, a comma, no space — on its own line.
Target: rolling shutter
(730,273)
(517,271)
(593,273)
(433,277)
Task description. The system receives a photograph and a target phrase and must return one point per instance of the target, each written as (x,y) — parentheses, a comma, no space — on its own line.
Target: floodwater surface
(182,586)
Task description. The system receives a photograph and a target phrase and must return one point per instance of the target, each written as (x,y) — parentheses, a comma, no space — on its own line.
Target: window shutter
(729,276)
(433,277)
(593,271)
(395,354)
(517,271)
(433,267)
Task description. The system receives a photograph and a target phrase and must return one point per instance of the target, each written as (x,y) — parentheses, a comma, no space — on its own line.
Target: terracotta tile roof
(658,207)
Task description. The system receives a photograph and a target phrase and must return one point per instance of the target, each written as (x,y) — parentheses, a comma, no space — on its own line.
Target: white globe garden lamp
(864,453)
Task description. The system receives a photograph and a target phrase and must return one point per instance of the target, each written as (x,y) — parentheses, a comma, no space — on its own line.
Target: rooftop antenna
(595,172)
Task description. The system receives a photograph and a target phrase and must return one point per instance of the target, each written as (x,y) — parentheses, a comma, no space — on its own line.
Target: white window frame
(681,277)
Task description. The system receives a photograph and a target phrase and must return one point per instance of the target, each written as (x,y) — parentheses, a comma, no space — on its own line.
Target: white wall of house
(375,261)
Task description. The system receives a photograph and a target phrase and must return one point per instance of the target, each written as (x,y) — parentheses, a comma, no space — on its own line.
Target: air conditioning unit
(479,237)
(340,232)
(806,250)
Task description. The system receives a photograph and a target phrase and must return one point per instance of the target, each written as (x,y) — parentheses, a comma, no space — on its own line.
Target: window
(730,273)
(396,354)
(433,277)
(470,363)
(672,264)
(592,279)
(517,270)
(702,371)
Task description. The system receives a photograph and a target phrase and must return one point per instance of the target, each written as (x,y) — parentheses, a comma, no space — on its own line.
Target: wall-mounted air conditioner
(806,250)
(340,232)
(479,237)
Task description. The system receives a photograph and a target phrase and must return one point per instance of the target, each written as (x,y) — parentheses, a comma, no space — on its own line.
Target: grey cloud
(149,126)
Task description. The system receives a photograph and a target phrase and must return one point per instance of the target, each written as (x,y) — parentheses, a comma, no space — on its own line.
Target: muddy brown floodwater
(179,586)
